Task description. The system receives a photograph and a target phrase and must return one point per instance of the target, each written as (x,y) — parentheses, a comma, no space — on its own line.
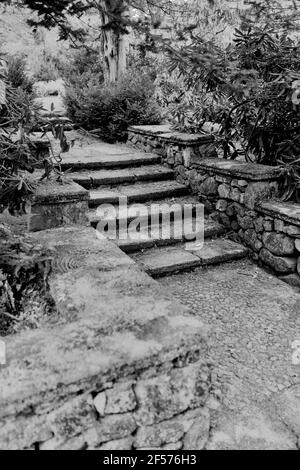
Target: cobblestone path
(254,321)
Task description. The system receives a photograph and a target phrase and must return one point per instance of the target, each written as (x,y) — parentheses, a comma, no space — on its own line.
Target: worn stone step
(156,209)
(92,179)
(100,161)
(167,260)
(168,234)
(137,192)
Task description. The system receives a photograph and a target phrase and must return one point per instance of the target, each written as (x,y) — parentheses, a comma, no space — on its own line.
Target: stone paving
(254,320)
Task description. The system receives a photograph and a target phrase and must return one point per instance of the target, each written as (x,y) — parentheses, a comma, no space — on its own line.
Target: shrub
(110,108)
(19,117)
(256,80)
(82,65)
(17,75)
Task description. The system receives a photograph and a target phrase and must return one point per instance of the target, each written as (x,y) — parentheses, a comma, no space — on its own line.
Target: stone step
(137,192)
(155,209)
(167,260)
(100,161)
(92,179)
(168,234)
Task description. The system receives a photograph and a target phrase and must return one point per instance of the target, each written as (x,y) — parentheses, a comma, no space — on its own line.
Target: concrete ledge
(116,330)
(236,169)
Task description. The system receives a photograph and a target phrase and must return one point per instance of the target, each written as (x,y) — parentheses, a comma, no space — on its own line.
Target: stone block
(178,158)
(119,444)
(120,399)
(258,191)
(114,427)
(209,186)
(164,397)
(282,265)
(198,434)
(193,426)
(268,224)
(221,205)
(245,222)
(292,279)
(278,244)
(279,225)
(235,194)
(224,191)
(72,418)
(223,179)
(100,403)
(251,239)
(258,224)
(292,231)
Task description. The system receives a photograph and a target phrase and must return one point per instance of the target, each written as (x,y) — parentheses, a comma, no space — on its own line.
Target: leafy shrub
(19,117)
(253,83)
(82,65)
(48,69)
(110,108)
(16,74)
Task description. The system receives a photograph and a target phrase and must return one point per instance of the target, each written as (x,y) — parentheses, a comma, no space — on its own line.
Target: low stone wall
(238,195)
(55,205)
(123,366)
(180,151)
(235,193)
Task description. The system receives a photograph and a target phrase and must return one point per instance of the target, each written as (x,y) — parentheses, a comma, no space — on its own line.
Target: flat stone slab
(166,260)
(155,208)
(97,159)
(124,175)
(137,192)
(113,320)
(168,234)
(158,262)
(51,192)
(247,171)
(156,190)
(287,211)
(220,251)
(164,132)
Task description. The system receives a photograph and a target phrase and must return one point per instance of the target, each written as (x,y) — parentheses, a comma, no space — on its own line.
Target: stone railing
(122,365)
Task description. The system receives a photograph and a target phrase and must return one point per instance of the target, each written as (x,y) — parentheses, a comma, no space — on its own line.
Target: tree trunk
(115,39)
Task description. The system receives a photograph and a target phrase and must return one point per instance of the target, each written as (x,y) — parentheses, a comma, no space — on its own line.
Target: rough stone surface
(121,399)
(278,244)
(113,323)
(280,264)
(255,318)
(163,397)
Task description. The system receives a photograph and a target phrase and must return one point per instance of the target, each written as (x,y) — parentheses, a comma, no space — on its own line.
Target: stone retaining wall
(239,195)
(179,151)
(235,193)
(123,366)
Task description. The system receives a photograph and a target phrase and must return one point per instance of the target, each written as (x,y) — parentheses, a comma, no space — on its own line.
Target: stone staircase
(141,178)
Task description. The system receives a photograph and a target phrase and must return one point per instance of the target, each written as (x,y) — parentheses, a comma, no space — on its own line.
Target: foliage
(25,301)
(108,109)
(83,65)
(254,83)
(19,118)
(16,74)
